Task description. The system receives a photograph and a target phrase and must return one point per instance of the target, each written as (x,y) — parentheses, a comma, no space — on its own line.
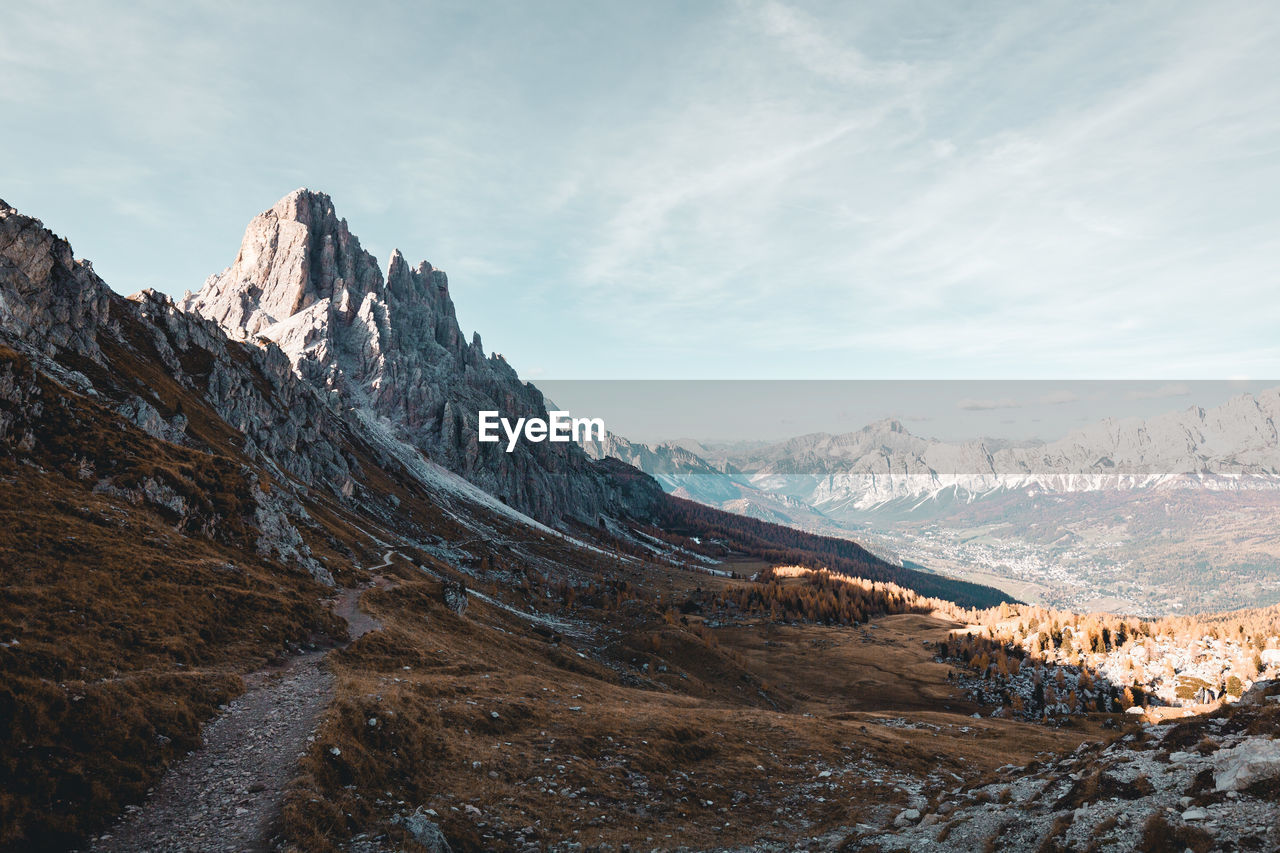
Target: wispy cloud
(807,42)
(1081,229)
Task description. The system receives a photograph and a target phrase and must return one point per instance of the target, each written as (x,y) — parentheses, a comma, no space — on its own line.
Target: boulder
(1255,760)
(455,596)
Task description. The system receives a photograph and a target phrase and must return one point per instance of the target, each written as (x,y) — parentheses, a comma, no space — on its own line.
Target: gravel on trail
(226,796)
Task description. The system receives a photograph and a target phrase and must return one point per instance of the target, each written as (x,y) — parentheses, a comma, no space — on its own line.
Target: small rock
(1195,814)
(425,831)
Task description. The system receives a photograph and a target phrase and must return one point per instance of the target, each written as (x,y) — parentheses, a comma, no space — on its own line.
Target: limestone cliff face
(392,346)
(294,256)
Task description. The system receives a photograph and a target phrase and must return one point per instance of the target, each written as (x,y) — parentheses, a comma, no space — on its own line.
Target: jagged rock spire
(390,346)
(293,256)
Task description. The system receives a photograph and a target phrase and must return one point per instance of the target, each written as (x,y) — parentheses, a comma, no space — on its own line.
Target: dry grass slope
(122,625)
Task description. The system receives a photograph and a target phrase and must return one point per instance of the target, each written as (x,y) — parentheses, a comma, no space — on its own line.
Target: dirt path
(227,795)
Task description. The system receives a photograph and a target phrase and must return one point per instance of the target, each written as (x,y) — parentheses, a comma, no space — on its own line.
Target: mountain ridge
(332,415)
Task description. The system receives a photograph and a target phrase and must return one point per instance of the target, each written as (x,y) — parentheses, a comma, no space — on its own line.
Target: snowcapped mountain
(1121,514)
(883,467)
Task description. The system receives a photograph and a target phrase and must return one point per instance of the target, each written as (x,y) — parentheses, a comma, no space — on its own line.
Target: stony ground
(1208,784)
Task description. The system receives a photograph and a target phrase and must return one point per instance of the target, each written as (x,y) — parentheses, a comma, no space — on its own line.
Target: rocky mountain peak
(885,425)
(293,257)
(305,206)
(390,347)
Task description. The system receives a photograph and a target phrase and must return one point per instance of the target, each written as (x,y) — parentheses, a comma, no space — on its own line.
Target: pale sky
(744,190)
(949,410)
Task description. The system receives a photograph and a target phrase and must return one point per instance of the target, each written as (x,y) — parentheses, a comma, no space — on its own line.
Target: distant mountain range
(883,468)
(681,471)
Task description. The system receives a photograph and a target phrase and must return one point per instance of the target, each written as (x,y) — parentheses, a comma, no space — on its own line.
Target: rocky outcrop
(151,491)
(253,388)
(144,416)
(18,395)
(278,537)
(392,346)
(454,594)
(1204,783)
(54,304)
(424,831)
(49,300)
